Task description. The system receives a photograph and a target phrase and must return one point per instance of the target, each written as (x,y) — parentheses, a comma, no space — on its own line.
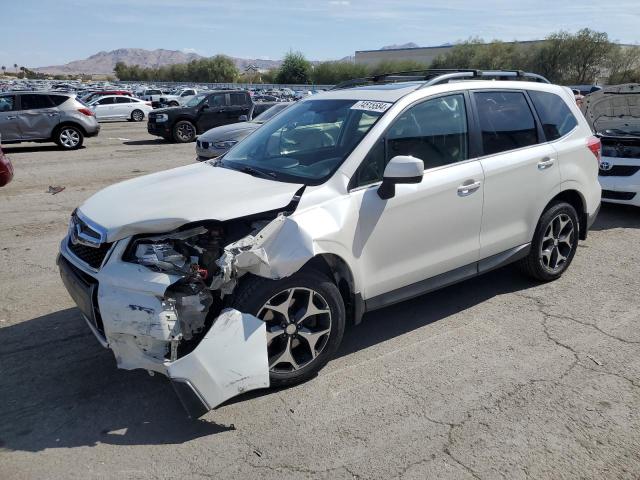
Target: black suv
(203,112)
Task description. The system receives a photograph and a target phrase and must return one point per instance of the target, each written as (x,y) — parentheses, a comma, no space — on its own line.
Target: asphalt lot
(497,377)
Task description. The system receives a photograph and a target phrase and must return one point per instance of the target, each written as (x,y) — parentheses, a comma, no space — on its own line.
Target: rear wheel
(69,137)
(554,243)
(305,319)
(184,131)
(137,115)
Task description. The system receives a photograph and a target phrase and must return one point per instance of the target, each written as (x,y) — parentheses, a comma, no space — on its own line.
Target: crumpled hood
(616,107)
(229,132)
(166,200)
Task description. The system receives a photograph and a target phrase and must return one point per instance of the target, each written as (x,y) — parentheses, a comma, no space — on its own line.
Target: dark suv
(46,117)
(203,112)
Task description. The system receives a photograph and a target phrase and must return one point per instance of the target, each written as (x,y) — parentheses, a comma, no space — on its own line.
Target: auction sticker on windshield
(371,106)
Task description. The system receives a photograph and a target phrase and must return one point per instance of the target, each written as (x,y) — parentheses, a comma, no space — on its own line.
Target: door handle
(545,163)
(468,187)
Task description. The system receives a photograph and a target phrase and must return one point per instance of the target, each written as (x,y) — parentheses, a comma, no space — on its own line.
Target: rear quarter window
(556,117)
(58,99)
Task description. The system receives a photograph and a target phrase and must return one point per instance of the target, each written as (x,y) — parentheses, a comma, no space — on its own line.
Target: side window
(7,103)
(32,102)
(106,101)
(506,121)
(435,131)
(557,120)
(122,100)
(58,99)
(238,99)
(217,100)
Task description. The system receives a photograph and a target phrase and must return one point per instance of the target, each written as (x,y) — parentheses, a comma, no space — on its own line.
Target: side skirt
(448,278)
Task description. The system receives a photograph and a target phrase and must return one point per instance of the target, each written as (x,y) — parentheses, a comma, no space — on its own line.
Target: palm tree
(4,69)
(15,65)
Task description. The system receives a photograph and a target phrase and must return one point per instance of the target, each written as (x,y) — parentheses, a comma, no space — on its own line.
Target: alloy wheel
(186,132)
(138,116)
(557,242)
(69,138)
(298,326)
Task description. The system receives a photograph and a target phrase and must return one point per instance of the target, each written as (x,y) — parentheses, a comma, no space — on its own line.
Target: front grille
(611,195)
(90,255)
(620,171)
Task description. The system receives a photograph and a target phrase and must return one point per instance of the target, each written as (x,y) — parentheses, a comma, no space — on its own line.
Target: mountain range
(104,62)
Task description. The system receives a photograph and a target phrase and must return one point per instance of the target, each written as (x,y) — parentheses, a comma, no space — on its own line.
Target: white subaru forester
(241,273)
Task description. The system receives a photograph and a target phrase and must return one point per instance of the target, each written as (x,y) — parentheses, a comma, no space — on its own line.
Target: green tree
(330,73)
(624,65)
(295,69)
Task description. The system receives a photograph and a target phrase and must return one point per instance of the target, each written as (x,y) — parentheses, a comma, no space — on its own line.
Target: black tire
(69,137)
(184,131)
(540,265)
(254,292)
(137,115)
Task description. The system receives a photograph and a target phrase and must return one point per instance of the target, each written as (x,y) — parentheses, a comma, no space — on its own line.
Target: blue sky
(47,32)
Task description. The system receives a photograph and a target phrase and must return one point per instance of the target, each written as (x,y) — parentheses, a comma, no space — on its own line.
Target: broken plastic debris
(55,189)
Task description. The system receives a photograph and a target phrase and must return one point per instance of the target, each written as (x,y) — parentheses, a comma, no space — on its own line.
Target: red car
(6,169)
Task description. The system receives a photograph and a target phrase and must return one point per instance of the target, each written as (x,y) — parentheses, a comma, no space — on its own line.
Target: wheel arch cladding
(336,268)
(577,201)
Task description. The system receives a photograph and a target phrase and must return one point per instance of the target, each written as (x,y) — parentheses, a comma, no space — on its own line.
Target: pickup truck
(178,97)
(152,95)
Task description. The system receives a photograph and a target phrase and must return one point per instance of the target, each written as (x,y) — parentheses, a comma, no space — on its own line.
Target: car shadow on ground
(614,215)
(150,141)
(33,149)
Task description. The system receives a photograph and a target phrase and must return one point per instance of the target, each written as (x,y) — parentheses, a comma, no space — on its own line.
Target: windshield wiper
(257,173)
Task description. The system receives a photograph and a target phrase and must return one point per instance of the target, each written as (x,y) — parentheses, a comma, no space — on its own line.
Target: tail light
(594,144)
(87,112)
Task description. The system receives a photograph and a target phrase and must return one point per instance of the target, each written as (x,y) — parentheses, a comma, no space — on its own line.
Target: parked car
(243,273)
(46,117)
(614,114)
(178,97)
(219,140)
(152,95)
(102,93)
(119,107)
(203,112)
(6,168)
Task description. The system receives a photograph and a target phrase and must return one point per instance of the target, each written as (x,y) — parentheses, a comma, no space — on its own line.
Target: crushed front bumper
(125,307)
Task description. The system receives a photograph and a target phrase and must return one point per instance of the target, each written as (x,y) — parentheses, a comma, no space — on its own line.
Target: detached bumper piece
(231,359)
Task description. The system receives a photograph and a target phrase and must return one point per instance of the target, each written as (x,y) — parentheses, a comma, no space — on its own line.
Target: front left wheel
(305,318)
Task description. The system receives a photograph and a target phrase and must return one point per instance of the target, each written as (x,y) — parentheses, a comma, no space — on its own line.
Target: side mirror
(400,169)
(243,118)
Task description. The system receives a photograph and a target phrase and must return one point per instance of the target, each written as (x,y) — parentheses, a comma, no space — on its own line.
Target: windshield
(307,142)
(270,112)
(195,100)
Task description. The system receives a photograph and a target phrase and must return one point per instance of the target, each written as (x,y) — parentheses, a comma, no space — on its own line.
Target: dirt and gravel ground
(497,377)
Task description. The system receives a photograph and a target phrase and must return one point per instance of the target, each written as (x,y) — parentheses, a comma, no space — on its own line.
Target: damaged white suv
(241,273)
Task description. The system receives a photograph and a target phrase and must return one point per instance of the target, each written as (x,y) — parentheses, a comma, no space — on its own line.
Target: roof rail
(436,76)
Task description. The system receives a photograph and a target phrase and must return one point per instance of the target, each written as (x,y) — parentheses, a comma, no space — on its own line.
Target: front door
(37,117)
(213,113)
(429,228)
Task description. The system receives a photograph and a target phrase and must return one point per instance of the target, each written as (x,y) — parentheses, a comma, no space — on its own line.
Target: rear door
(521,171)
(37,116)
(9,128)
(239,104)
(213,113)
(122,108)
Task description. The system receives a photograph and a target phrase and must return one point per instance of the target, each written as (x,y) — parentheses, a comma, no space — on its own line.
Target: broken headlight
(185,252)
